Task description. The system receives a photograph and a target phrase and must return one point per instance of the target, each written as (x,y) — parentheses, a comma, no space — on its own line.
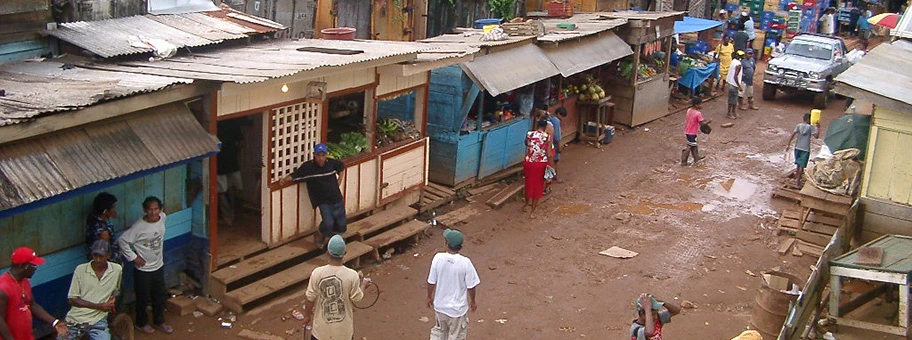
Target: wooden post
(637,50)
(419,15)
(213,185)
(668,51)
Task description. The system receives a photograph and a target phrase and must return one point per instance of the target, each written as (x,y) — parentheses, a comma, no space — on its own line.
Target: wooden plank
(431,196)
(379,221)
(272,284)
(789,224)
(458,215)
(848,306)
(815,238)
(353,250)
(794,214)
(820,228)
(398,233)
(501,197)
(438,192)
(825,206)
(441,188)
(820,218)
(482,189)
(499,175)
(881,207)
(786,246)
(810,249)
(264,261)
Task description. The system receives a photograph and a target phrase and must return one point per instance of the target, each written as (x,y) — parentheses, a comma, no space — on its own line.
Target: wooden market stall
(640,87)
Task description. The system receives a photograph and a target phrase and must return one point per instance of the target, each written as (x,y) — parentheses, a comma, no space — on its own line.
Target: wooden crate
(560,9)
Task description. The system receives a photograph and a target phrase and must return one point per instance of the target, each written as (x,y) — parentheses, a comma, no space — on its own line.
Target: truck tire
(769,91)
(821,99)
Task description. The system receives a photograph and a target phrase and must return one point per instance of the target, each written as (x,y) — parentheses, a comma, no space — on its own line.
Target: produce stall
(639,83)
(696,66)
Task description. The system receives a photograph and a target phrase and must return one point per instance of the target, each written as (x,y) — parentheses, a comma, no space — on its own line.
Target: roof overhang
(574,57)
(507,70)
(866,79)
(45,169)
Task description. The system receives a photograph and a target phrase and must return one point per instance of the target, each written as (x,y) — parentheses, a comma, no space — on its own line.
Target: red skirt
(535,178)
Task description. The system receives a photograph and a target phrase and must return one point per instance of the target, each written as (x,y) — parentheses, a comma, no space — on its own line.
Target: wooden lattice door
(293,132)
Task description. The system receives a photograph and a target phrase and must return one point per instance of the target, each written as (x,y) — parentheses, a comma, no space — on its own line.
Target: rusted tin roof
(586,25)
(865,79)
(118,37)
(54,164)
(263,61)
(35,88)
(639,15)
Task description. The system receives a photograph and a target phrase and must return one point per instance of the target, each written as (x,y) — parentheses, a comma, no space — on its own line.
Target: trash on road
(618,252)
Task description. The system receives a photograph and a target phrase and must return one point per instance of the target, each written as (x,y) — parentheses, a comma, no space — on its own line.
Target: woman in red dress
(538,151)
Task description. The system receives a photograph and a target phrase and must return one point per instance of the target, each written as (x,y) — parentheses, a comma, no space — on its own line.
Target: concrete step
(360,229)
(408,230)
(240,274)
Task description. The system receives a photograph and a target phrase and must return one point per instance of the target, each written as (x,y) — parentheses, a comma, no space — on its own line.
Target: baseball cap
(749,50)
(336,246)
(453,237)
(740,52)
(655,304)
(320,148)
(743,14)
(721,11)
(25,255)
(100,247)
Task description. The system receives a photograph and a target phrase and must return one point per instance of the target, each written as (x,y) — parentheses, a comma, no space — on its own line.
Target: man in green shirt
(92,294)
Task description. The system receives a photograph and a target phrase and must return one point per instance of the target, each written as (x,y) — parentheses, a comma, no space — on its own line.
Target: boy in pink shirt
(692,121)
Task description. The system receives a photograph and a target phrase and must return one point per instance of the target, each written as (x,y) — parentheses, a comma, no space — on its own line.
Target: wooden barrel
(771,306)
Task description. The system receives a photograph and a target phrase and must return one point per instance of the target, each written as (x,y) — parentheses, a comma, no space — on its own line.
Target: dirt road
(697,230)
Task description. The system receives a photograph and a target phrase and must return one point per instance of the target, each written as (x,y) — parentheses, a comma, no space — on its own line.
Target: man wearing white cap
(451,289)
(330,292)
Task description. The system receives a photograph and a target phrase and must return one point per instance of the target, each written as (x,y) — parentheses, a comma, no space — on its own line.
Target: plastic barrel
(771,307)
(815,116)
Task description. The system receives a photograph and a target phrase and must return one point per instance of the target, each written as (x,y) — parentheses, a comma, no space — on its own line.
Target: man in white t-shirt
(451,289)
(734,83)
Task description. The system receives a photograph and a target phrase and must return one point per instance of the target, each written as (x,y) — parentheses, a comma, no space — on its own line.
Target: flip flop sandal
(146,329)
(165,328)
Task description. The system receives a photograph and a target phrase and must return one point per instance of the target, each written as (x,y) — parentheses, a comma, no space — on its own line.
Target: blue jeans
(98,331)
(333,215)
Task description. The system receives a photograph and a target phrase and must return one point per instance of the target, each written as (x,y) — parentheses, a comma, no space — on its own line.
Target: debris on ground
(618,252)
(727,125)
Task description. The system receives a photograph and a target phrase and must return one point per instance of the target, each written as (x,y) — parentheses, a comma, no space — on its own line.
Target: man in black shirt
(740,39)
(323,176)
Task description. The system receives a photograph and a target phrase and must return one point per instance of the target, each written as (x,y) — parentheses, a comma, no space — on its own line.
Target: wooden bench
(224,279)
(408,230)
(359,229)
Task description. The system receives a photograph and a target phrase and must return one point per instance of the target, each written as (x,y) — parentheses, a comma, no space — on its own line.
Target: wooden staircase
(264,276)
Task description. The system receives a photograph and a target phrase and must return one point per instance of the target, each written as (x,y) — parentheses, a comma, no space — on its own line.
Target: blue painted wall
(454,156)
(21,50)
(56,231)
(402,107)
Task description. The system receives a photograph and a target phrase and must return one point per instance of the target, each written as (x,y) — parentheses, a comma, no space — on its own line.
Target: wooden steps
(228,278)
(359,229)
(409,230)
(237,299)
(353,252)
(501,197)
(434,195)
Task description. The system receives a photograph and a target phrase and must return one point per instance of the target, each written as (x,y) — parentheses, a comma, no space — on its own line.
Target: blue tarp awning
(696,76)
(691,24)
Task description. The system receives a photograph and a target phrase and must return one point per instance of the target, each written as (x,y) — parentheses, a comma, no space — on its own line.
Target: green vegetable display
(352,143)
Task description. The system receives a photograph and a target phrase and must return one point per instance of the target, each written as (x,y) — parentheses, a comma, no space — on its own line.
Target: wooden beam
(94,113)
(848,307)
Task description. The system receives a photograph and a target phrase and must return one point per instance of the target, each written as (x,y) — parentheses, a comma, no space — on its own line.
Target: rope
(376,297)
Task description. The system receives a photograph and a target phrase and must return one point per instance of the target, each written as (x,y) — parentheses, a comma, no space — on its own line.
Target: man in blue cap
(323,176)
(330,292)
(451,289)
(748,66)
(651,317)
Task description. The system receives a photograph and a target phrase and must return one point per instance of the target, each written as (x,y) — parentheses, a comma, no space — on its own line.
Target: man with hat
(323,176)
(651,318)
(748,65)
(93,292)
(16,303)
(330,292)
(451,289)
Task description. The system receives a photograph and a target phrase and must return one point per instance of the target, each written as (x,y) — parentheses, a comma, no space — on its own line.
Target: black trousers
(149,286)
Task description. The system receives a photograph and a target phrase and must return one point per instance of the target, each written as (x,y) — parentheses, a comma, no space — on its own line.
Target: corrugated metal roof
(473,38)
(904,26)
(54,164)
(112,37)
(586,25)
(34,88)
(263,61)
(574,57)
(507,70)
(639,15)
(880,64)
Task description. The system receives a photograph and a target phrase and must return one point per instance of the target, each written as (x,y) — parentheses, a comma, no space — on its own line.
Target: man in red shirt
(16,302)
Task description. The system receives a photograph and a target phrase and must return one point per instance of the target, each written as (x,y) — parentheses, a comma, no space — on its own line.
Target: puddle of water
(648,207)
(567,209)
(738,188)
(773,158)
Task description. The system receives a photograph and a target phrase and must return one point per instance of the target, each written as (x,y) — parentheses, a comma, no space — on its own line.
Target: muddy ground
(698,231)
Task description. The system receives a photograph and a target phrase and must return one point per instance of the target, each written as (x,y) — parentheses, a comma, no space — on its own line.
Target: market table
(696,76)
(895,268)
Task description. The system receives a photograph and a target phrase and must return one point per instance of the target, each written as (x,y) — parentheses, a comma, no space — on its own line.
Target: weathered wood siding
(503,146)
(444,16)
(886,188)
(361,181)
(403,168)
(21,22)
(392,83)
(234,98)
(392,20)
(454,157)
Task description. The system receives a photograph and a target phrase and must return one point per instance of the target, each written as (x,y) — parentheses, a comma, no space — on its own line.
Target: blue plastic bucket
(480,23)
